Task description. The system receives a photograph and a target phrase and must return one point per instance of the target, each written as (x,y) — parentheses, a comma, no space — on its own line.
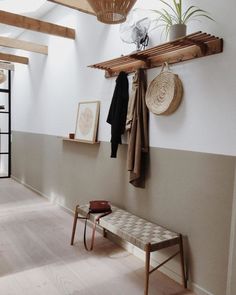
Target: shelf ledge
(80,141)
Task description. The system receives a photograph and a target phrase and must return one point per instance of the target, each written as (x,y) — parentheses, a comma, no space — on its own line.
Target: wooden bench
(139,232)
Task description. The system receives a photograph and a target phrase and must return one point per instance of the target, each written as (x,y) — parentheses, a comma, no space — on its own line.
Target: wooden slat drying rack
(189,47)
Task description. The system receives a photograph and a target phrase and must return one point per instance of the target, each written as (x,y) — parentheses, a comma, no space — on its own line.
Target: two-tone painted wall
(191,171)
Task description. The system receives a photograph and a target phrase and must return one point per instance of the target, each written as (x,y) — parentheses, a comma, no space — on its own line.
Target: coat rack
(189,47)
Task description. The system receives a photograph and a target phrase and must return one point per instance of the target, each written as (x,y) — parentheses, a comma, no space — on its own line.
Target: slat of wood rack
(192,46)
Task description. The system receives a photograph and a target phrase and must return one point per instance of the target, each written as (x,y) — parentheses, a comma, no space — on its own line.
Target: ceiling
(22,6)
(38,9)
(35,9)
(31,8)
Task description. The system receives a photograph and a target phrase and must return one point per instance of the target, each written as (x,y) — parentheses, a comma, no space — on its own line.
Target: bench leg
(147,269)
(104,233)
(74,226)
(181,248)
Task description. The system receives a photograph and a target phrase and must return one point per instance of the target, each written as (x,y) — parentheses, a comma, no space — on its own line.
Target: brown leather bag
(98,206)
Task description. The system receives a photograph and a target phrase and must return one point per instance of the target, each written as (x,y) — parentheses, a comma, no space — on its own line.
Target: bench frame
(148,250)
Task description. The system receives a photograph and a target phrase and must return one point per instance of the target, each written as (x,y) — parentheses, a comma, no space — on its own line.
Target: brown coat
(137,128)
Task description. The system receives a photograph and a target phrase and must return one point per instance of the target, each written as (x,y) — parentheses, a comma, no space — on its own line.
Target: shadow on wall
(36,75)
(89,150)
(85,177)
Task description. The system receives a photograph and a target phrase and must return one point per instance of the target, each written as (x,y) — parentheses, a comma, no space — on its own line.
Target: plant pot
(177,31)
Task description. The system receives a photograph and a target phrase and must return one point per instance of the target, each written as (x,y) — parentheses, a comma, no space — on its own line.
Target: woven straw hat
(164,93)
(2,77)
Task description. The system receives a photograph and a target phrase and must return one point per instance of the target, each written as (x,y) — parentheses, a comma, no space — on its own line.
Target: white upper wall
(46,93)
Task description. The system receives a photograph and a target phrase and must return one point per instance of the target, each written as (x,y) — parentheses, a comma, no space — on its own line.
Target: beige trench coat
(137,128)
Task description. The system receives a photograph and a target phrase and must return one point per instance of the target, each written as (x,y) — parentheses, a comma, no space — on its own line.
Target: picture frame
(87,121)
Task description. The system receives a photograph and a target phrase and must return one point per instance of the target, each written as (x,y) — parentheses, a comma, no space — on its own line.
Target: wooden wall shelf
(192,46)
(81,141)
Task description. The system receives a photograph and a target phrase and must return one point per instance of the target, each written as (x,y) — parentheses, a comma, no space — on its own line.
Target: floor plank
(36,258)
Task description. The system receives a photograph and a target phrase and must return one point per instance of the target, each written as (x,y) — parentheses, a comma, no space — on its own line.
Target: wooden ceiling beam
(81,5)
(14,58)
(7,66)
(32,24)
(23,45)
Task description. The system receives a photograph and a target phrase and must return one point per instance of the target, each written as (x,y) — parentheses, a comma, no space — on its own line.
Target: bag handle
(93,234)
(165,65)
(94,229)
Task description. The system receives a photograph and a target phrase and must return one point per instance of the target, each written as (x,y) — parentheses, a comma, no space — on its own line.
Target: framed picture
(87,121)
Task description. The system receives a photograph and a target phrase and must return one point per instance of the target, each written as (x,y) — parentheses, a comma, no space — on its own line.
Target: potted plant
(174,18)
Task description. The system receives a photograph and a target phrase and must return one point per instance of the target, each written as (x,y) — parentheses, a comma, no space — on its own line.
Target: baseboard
(198,290)
(42,195)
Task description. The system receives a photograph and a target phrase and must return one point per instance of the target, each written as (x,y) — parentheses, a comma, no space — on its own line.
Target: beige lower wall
(187,192)
(232,265)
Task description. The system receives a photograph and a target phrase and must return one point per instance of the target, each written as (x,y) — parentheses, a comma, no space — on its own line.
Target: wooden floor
(36,258)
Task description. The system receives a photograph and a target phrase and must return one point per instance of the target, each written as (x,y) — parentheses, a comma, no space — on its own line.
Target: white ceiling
(39,8)
(22,6)
(31,8)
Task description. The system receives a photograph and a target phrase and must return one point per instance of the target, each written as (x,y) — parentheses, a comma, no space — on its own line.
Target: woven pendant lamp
(111,11)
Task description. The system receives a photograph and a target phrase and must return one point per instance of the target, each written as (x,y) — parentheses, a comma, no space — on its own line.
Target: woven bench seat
(134,229)
(143,234)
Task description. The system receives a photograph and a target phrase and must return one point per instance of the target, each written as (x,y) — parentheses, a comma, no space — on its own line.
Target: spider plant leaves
(166,3)
(176,14)
(173,13)
(166,16)
(178,8)
(188,11)
(204,15)
(194,12)
(169,18)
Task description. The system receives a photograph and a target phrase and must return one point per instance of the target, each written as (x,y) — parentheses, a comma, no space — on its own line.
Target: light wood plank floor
(36,258)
